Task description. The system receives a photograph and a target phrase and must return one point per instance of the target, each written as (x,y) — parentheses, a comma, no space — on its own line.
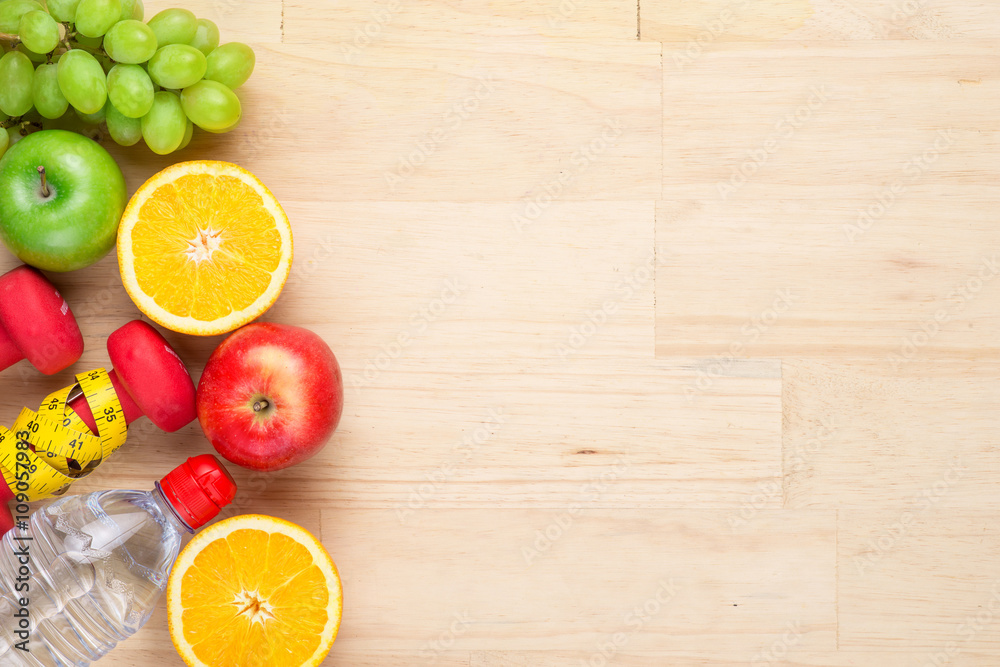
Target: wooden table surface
(671,332)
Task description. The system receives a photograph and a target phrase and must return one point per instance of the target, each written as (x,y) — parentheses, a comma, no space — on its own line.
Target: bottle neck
(168,511)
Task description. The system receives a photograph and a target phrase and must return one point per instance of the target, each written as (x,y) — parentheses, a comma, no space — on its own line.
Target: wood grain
(829,120)
(736,592)
(913,278)
(863,434)
(790,656)
(353,25)
(919,580)
(700,21)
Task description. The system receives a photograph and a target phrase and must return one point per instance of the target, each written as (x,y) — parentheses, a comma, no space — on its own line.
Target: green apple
(61,199)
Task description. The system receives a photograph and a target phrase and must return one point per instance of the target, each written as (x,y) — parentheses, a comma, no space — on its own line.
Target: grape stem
(69,42)
(4,37)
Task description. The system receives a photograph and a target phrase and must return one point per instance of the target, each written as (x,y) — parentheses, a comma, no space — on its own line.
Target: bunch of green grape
(74,64)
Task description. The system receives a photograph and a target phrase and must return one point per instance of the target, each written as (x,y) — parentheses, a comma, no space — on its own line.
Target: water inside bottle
(99,564)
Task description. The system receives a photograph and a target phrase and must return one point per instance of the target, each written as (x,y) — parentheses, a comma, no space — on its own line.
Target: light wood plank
(161,655)
(830,119)
(352,26)
(445,122)
(721,20)
(782,651)
(472,282)
(923,581)
(691,21)
(861,434)
(768,278)
(734,592)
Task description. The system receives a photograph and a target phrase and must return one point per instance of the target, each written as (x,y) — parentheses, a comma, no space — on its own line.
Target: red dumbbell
(36,323)
(149,378)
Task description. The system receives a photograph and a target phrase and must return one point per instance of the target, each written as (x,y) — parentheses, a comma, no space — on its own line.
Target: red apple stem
(45,184)
(262,404)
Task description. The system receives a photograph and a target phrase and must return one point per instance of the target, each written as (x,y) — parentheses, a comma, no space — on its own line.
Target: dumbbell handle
(132,411)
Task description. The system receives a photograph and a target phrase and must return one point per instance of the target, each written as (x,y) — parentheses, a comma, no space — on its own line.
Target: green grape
(69,121)
(130,42)
(95,118)
(174,26)
(211,106)
(95,17)
(11,12)
(39,32)
(164,126)
(16,77)
(132,10)
(177,66)
(90,42)
(82,81)
(32,56)
(231,64)
(226,130)
(63,11)
(49,99)
(124,130)
(13,135)
(4,142)
(206,39)
(188,133)
(130,90)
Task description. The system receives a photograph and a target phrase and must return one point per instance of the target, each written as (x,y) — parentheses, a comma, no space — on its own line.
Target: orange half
(204,248)
(254,591)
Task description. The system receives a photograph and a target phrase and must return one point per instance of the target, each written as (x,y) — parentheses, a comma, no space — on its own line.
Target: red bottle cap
(198,489)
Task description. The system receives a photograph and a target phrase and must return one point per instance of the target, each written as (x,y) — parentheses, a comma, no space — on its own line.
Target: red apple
(271,396)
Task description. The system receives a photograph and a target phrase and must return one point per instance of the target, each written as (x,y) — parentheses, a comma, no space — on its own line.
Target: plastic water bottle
(87,571)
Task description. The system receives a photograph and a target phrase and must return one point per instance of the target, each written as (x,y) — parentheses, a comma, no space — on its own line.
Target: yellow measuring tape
(46,451)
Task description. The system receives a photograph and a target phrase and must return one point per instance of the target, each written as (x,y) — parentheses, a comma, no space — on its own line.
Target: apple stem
(262,404)
(45,184)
